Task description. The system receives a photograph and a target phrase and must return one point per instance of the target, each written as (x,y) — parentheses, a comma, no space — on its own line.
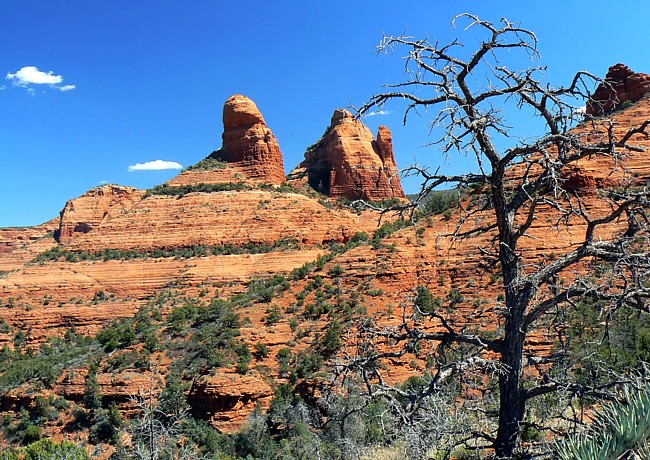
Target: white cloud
(155,165)
(30,75)
(378,113)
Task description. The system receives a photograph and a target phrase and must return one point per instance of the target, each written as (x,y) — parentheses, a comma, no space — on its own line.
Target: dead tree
(469,92)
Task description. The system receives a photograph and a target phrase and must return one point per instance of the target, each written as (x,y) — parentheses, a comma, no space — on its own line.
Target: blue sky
(150,78)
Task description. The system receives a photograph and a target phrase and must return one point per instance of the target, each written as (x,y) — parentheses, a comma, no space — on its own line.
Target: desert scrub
(42,368)
(208,164)
(141,329)
(213,339)
(183,190)
(58,253)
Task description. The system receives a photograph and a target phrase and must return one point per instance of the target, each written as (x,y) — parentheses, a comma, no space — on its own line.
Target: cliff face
(20,245)
(248,143)
(98,205)
(621,85)
(231,217)
(348,162)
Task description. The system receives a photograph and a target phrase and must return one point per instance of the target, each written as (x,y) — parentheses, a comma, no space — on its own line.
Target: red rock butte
(621,86)
(248,142)
(348,162)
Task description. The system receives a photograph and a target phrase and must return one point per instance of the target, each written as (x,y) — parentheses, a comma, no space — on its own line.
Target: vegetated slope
(242,290)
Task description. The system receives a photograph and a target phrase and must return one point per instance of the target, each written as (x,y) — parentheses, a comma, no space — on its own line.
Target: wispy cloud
(155,165)
(378,113)
(31,75)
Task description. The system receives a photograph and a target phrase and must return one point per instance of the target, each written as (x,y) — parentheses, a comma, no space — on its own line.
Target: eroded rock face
(620,86)
(348,162)
(228,399)
(97,205)
(248,143)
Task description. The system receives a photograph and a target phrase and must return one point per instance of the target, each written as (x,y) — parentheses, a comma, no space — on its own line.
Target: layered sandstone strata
(19,245)
(100,204)
(348,162)
(229,217)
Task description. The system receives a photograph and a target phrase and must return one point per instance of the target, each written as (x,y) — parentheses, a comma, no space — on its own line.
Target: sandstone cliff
(621,86)
(348,162)
(100,204)
(20,245)
(248,143)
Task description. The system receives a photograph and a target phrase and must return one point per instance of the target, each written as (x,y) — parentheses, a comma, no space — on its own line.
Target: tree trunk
(511,392)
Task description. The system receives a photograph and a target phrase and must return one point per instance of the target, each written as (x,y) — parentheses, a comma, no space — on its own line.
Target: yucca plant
(621,429)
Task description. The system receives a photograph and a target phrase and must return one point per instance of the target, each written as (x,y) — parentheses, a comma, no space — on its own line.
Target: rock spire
(248,143)
(622,85)
(348,162)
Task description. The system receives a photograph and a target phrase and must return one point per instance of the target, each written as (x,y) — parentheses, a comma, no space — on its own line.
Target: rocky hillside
(239,281)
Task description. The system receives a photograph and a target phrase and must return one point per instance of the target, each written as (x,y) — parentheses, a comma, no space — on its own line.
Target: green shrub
(425,301)
(92,399)
(11,454)
(46,449)
(183,190)
(273,315)
(439,201)
(208,164)
(172,399)
(307,364)
(337,270)
(455,297)
(329,343)
(41,369)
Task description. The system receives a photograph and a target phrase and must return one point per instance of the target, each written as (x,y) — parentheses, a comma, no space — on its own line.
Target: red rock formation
(621,85)
(97,205)
(227,399)
(13,238)
(248,143)
(348,162)
(223,218)
(19,245)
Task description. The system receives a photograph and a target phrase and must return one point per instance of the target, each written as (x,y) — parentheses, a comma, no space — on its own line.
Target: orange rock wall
(248,143)
(348,162)
(99,204)
(621,85)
